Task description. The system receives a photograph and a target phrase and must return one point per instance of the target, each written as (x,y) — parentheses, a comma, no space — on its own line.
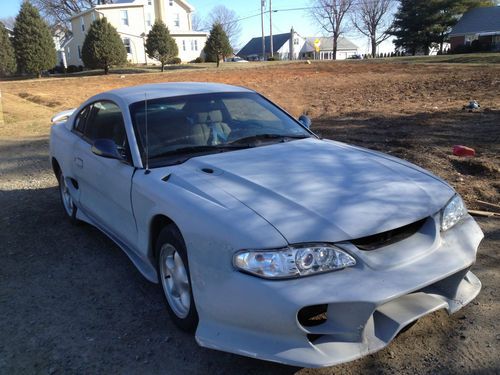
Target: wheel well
(55,167)
(157,224)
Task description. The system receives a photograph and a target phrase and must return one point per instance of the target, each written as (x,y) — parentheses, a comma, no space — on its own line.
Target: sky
(283,21)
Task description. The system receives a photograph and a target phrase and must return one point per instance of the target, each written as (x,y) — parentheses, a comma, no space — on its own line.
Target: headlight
(292,261)
(452,213)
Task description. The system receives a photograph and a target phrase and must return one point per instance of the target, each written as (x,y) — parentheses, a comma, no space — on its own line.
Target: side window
(79,125)
(106,122)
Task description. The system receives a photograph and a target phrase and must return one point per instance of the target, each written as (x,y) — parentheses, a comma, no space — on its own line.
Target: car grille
(379,240)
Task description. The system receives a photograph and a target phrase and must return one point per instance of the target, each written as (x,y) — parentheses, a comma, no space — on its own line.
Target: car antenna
(147,171)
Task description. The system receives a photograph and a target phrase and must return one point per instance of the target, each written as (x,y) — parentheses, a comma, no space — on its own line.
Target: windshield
(182,127)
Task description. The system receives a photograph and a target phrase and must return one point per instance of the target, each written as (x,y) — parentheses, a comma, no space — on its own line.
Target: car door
(104,183)
(71,174)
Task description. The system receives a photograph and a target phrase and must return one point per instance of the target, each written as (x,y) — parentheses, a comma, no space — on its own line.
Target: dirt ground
(71,302)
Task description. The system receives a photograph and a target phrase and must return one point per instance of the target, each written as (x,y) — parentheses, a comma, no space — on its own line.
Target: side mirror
(106,148)
(305,120)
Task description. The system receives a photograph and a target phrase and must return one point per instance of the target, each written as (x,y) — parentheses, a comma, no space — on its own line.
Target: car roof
(171,89)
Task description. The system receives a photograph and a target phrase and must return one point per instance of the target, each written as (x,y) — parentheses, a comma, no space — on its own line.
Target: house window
(196,45)
(82,23)
(79,52)
(296,41)
(183,45)
(126,43)
(124,17)
(149,2)
(171,3)
(148,19)
(177,20)
(93,17)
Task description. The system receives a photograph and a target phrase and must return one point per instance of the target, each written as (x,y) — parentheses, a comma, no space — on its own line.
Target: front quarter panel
(213,224)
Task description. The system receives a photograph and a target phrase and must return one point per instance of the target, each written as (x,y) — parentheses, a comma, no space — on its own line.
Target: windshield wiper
(267,136)
(196,149)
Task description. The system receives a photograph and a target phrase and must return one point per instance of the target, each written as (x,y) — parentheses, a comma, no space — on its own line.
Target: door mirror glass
(306,121)
(106,148)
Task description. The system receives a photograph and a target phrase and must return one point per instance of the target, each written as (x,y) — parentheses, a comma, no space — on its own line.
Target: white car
(236,59)
(267,241)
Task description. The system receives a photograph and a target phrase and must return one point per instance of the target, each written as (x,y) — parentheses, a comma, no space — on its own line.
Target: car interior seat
(209,127)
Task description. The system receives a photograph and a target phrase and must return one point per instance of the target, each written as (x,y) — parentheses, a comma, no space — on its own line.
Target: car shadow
(72,301)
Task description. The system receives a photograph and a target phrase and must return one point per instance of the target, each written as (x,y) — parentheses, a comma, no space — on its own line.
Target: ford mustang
(267,240)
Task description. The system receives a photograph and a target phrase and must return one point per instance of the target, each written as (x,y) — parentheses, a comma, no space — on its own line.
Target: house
(345,48)
(133,20)
(482,24)
(285,46)
(292,46)
(61,39)
(10,31)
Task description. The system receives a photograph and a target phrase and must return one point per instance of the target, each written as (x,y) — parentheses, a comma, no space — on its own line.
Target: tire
(69,207)
(175,279)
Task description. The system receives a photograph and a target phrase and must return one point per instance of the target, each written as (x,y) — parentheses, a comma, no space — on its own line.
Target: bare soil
(71,302)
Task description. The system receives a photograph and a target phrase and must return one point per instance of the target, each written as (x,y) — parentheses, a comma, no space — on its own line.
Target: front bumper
(366,305)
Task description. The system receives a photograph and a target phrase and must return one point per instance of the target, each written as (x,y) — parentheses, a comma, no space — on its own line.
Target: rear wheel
(66,199)
(175,278)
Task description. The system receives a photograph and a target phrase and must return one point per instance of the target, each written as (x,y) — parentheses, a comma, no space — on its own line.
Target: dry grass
(410,110)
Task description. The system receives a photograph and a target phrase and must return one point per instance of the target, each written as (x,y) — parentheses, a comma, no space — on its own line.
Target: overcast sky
(283,21)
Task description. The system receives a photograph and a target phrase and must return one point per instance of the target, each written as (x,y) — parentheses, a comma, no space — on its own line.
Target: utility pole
(263,4)
(271,27)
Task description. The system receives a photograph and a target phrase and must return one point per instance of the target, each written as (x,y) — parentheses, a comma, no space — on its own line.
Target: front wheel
(175,278)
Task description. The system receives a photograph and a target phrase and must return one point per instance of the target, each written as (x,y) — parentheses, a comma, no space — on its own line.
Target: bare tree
(331,16)
(8,22)
(228,19)
(371,18)
(59,12)
(197,22)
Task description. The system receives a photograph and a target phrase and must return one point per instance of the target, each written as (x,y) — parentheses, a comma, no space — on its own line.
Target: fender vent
(387,238)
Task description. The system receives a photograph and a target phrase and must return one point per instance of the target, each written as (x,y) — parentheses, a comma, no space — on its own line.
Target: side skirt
(144,267)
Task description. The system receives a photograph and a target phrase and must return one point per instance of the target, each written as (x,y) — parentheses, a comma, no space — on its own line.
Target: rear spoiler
(62,116)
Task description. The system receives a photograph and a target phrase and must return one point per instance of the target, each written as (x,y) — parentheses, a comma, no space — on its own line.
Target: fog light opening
(311,316)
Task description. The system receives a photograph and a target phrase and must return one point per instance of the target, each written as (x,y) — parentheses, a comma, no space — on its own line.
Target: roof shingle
(478,20)
(254,46)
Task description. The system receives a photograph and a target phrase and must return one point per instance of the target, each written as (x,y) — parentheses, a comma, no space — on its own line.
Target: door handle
(79,162)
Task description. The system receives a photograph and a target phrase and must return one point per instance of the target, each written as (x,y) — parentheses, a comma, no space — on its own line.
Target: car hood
(314,190)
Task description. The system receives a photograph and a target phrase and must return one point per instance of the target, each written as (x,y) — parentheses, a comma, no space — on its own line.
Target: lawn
(411,110)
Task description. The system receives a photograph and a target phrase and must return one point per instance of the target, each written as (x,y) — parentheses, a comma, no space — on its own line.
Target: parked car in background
(267,240)
(236,59)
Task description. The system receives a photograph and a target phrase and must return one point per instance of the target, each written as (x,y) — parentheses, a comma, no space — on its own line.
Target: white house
(133,20)
(345,48)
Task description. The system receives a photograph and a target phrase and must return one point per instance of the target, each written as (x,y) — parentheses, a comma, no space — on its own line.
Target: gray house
(481,24)
(285,46)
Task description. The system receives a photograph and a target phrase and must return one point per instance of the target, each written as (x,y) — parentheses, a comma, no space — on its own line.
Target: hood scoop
(210,170)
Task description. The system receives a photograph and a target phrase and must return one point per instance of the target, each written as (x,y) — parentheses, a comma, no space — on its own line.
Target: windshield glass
(175,129)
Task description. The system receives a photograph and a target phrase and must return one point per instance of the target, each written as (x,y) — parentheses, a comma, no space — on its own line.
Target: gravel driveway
(72,302)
